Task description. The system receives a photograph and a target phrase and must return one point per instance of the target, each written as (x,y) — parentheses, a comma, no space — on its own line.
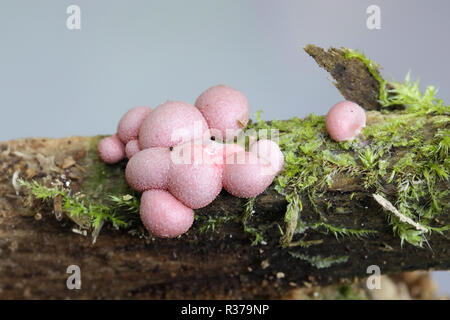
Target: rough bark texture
(36,248)
(353,80)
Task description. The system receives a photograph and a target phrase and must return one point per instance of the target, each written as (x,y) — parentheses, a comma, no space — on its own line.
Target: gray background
(56,82)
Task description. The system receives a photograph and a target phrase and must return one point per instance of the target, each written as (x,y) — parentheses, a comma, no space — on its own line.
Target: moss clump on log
(395,158)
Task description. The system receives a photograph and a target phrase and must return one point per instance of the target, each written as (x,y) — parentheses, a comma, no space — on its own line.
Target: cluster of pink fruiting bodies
(178,167)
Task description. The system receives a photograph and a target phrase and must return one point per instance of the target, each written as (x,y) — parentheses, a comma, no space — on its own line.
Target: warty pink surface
(172,189)
(269,150)
(111,149)
(131,148)
(148,169)
(163,215)
(195,177)
(247,178)
(224,108)
(131,122)
(171,123)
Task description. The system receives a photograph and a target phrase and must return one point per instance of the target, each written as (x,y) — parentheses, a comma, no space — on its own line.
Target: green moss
(407,93)
(312,159)
(210,224)
(347,292)
(306,244)
(255,233)
(98,201)
(342,231)
(121,212)
(320,262)
(373,68)
(96,185)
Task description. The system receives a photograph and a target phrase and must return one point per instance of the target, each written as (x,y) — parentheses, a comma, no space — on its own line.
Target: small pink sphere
(270,151)
(195,184)
(131,148)
(247,178)
(111,149)
(148,169)
(345,121)
(130,123)
(170,124)
(163,215)
(224,108)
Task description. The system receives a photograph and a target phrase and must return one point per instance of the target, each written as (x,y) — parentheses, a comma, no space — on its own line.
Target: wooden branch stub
(353,79)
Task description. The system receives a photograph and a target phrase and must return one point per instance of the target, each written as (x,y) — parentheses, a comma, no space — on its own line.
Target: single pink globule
(111,149)
(225,109)
(345,121)
(148,169)
(270,151)
(196,183)
(163,215)
(131,148)
(130,123)
(248,177)
(170,124)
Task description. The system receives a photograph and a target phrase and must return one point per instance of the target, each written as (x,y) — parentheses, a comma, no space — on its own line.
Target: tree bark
(36,249)
(352,78)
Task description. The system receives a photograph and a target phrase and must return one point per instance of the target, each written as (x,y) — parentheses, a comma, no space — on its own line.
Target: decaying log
(36,248)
